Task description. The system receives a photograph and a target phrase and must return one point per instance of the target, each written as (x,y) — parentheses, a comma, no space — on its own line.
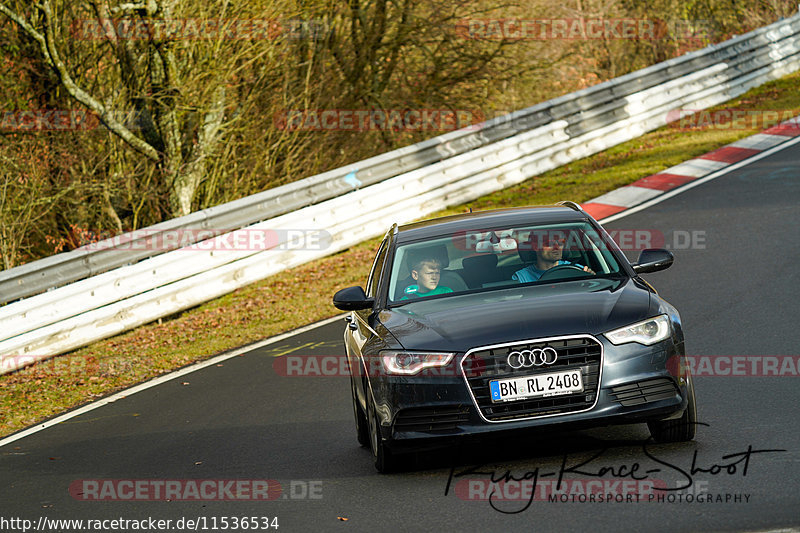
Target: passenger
(426,272)
(548,255)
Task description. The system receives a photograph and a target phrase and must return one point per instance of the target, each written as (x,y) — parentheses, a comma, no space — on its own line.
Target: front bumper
(635,383)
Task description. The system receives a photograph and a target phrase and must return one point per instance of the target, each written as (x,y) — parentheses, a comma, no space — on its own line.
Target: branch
(212,123)
(126,55)
(50,53)
(27,28)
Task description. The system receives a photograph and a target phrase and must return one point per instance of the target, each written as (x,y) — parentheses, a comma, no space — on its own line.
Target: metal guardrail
(584,110)
(576,125)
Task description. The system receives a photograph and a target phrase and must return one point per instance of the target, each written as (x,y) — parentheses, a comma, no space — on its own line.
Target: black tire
(362,426)
(385,461)
(680,429)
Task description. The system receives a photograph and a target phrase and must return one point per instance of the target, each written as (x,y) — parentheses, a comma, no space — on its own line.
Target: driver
(548,255)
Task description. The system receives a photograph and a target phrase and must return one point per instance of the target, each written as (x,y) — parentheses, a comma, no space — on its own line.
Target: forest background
(117,115)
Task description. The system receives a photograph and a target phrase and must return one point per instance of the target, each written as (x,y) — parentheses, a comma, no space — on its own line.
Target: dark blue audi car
(511,319)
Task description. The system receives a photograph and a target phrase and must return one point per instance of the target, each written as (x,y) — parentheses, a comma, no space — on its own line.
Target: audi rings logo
(529,358)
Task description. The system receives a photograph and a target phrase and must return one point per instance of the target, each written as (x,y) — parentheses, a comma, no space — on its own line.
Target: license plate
(538,386)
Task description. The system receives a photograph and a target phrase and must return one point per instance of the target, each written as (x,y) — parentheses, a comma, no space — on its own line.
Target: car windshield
(475,261)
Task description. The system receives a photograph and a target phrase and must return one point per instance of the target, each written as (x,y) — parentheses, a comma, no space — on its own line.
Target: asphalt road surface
(736,282)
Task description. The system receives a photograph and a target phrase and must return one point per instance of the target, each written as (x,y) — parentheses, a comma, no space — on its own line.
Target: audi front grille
(481,365)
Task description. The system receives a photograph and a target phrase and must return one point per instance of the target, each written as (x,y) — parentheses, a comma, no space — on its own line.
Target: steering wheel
(553,272)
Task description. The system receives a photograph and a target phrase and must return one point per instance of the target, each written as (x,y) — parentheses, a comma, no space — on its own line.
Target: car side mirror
(352,299)
(653,260)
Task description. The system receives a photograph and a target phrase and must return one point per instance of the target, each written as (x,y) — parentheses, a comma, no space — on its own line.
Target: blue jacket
(531,273)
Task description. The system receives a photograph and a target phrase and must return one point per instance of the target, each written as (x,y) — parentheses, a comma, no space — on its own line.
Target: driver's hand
(589,270)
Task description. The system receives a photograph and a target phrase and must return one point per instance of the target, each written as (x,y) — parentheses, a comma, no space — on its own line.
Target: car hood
(461,322)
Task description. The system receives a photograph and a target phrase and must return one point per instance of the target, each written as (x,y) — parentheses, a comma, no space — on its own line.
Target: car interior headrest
(480,262)
(435,251)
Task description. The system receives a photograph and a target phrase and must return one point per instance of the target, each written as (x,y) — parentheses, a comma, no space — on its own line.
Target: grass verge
(303,295)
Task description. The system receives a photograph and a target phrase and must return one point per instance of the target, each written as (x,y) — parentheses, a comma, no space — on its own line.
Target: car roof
(485,220)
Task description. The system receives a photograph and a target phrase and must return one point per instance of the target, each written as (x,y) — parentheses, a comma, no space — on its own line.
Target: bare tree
(169,132)
(26,197)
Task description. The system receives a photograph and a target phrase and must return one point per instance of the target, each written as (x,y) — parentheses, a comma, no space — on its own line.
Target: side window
(377,266)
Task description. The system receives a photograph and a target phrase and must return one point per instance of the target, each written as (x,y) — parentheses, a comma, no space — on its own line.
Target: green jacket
(412,291)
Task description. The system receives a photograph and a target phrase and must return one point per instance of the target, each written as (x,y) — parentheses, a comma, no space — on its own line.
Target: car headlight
(648,332)
(410,363)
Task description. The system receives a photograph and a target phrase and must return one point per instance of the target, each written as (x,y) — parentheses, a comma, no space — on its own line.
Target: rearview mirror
(653,260)
(352,299)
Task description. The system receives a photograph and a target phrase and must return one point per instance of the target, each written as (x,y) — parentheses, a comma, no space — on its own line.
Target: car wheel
(680,429)
(362,426)
(384,460)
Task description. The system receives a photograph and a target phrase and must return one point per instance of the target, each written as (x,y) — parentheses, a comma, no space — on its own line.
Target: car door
(359,330)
